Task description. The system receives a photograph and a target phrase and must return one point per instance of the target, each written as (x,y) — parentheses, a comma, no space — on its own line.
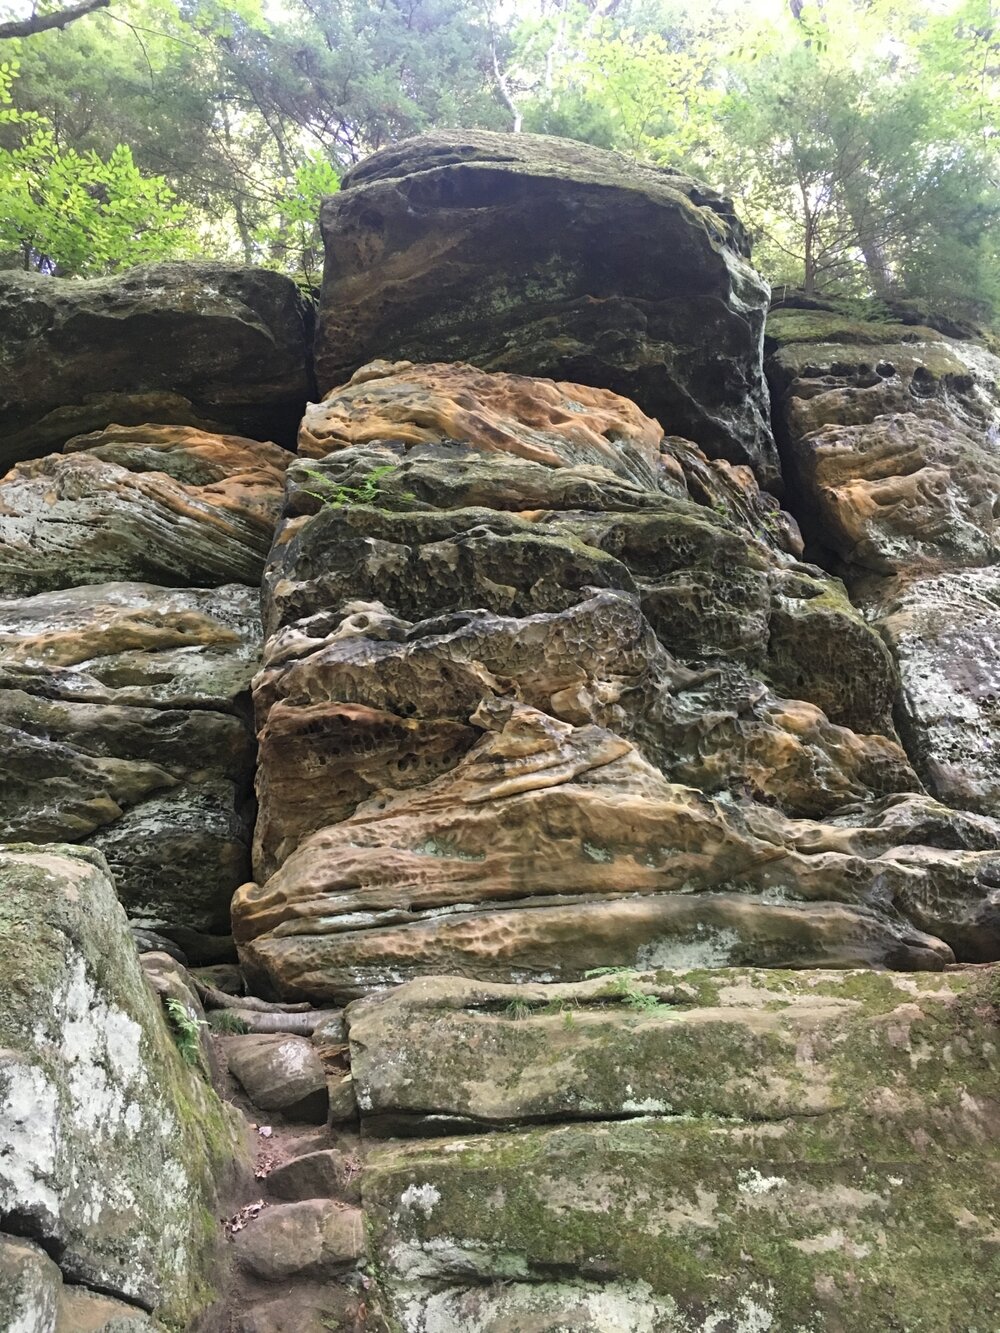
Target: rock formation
(123,703)
(210,345)
(551,258)
(891,433)
(747,1150)
(532,704)
(615,919)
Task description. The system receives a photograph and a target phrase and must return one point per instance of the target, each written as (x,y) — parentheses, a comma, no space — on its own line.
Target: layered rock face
(626,854)
(678,1152)
(544,691)
(111,1148)
(201,344)
(550,258)
(891,436)
(129,632)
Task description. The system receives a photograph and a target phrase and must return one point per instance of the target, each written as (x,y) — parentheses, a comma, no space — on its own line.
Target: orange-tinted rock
(541,421)
(904,492)
(380,703)
(523,716)
(891,437)
(530,858)
(888,430)
(156,504)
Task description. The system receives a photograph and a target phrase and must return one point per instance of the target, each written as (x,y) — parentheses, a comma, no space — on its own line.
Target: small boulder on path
(280,1073)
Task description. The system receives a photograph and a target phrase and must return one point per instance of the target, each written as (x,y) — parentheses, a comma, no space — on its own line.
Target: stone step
(327,1174)
(316,1238)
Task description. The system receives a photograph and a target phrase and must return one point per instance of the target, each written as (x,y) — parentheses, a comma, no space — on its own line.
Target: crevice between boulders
(21,1228)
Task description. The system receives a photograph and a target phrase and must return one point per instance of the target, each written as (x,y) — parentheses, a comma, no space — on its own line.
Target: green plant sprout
(622,987)
(185,1030)
(338,496)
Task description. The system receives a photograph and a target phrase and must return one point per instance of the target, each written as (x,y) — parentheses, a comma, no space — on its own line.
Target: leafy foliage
(290,238)
(860,138)
(338,496)
(622,986)
(75,212)
(185,1029)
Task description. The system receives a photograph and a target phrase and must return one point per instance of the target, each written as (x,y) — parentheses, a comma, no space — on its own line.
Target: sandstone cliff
(558,806)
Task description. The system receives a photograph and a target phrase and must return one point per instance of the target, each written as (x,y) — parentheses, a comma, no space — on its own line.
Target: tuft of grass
(517,1010)
(224,1020)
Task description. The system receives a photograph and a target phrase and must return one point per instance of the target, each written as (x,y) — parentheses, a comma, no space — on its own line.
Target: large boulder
(551,258)
(197,344)
(35,1299)
(112,1148)
(684,1151)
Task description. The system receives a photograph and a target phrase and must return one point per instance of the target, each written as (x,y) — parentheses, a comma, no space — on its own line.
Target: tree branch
(42,22)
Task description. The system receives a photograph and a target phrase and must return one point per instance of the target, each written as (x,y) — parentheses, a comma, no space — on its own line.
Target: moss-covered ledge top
(738,1043)
(760,1152)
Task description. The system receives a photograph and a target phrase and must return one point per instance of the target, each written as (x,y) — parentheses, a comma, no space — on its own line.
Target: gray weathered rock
(550,258)
(807,1150)
(83,1311)
(112,1148)
(890,436)
(945,633)
(120,717)
(171,981)
(192,344)
(30,1287)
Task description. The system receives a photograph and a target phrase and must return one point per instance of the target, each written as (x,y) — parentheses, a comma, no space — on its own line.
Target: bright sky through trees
(858,137)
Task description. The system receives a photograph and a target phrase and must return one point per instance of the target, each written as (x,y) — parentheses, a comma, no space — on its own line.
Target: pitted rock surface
(890,435)
(521,720)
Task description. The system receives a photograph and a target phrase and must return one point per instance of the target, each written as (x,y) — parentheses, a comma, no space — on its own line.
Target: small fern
(622,987)
(187,1037)
(338,496)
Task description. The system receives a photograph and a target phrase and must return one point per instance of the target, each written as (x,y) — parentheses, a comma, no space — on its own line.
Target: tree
(78,213)
(858,137)
(849,158)
(57,18)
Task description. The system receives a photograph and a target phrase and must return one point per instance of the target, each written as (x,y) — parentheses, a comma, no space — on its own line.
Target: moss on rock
(113,1147)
